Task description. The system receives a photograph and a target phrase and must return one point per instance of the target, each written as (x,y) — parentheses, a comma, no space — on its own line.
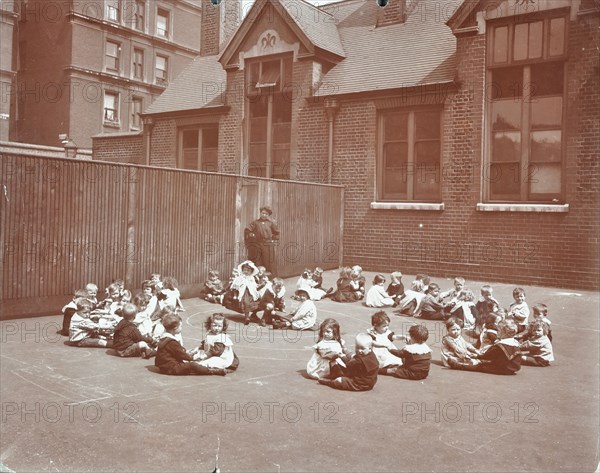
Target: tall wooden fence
(68,222)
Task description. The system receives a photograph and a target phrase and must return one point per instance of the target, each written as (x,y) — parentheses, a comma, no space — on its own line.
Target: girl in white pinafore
(383,339)
(327,350)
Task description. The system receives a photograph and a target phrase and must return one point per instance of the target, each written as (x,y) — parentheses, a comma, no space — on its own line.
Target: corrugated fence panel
(65,223)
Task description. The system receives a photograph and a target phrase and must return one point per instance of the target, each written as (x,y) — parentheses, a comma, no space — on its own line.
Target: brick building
(466,132)
(91,67)
(8,65)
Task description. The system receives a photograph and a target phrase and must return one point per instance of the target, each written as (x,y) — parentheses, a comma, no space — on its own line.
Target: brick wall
(119,148)
(163,143)
(555,249)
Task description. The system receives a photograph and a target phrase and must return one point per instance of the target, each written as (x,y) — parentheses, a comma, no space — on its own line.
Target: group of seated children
(251,290)
(333,365)
(150,326)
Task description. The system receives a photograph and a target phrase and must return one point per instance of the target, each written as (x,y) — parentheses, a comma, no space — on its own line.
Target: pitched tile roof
(318,25)
(419,51)
(199,85)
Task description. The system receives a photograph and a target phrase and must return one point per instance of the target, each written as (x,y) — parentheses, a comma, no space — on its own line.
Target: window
(136,110)
(138,64)
(270,117)
(198,148)
(409,156)
(525,112)
(113,53)
(140,15)
(162,70)
(111,108)
(162,23)
(113,10)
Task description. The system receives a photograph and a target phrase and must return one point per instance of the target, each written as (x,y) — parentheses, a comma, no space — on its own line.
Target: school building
(466,133)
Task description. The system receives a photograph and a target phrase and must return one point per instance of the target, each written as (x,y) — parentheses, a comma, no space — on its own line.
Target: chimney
(219,23)
(394,12)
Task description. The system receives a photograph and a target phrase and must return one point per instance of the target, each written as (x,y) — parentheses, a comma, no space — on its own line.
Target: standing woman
(260,237)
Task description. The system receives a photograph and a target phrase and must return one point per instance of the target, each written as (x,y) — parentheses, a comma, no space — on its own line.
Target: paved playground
(70,409)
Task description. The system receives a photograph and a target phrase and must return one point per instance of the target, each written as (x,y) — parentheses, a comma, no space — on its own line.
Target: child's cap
(266,209)
(301,292)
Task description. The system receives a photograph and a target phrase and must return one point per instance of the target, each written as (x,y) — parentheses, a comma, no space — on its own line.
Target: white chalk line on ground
(471,452)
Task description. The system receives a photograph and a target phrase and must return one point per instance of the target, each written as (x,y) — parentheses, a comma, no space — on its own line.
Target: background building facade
(92,67)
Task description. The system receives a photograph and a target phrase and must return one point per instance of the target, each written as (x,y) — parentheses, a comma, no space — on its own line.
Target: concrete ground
(76,409)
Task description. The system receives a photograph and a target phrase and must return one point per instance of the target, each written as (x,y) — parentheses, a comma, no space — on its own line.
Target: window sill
(406,206)
(116,125)
(552,208)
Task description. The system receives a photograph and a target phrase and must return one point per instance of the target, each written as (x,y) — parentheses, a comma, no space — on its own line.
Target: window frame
(117,110)
(117,58)
(525,168)
(168,26)
(164,81)
(132,119)
(412,140)
(136,15)
(135,65)
(199,129)
(113,5)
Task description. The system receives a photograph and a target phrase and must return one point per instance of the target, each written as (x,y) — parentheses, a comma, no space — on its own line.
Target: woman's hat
(266,209)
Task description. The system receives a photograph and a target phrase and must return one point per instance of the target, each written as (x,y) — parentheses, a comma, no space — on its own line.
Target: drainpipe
(331,108)
(147,134)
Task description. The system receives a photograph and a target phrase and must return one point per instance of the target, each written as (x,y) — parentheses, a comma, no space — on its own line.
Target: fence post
(132,198)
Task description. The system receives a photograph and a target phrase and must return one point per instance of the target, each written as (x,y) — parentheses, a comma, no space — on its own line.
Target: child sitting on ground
(213,289)
(489,333)
(305,316)
(453,294)
(127,339)
(344,291)
(142,318)
(396,289)
(504,357)
(83,332)
(485,305)
(70,309)
(376,296)
(328,350)
(172,358)
(317,276)
(245,289)
(540,312)
(308,284)
(360,373)
(425,280)
(432,307)
(159,329)
(272,300)
(456,347)
(538,347)
(357,282)
(464,310)
(216,350)
(416,355)
(410,304)
(383,340)
(519,310)
(170,295)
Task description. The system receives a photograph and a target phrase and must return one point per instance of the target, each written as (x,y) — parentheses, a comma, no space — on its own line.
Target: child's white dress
(305,317)
(318,367)
(308,285)
(225,359)
(377,297)
(383,355)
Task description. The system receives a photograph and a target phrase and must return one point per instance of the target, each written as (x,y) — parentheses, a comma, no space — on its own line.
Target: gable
(471,15)
(299,25)
(270,33)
